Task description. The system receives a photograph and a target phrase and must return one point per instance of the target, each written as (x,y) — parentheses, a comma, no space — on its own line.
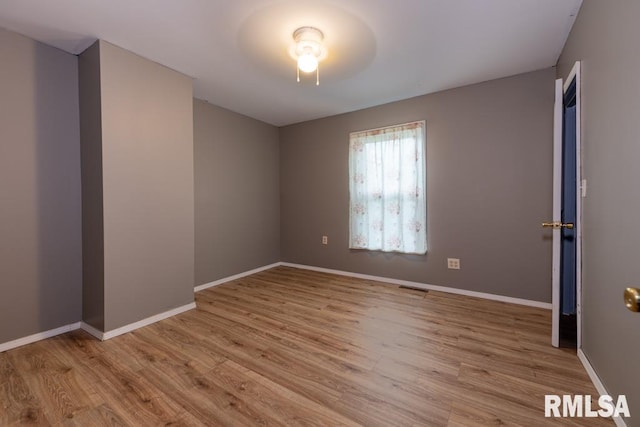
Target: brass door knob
(558,224)
(632,299)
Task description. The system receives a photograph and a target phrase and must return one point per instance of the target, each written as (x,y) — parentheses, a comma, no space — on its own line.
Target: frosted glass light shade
(307,62)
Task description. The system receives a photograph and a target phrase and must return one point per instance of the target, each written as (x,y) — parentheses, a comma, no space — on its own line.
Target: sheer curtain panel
(387,189)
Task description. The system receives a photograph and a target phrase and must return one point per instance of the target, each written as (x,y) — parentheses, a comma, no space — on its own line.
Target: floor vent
(414,288)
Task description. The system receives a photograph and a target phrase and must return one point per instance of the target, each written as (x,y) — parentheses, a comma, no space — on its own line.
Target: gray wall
(147,155)
(92,218)
(605,38)
(146,143)
(237,195)
(489,159)
(40,241)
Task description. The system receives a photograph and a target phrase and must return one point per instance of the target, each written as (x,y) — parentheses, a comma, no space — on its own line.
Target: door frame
(580,193)
(558,127)
(557,200)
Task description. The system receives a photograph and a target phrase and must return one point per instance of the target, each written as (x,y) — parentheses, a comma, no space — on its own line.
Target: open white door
(557,206)
(568,188)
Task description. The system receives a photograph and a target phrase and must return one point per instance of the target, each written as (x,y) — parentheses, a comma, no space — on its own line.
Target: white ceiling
(379,50)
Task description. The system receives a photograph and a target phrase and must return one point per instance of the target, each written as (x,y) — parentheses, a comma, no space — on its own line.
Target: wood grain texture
(293,347)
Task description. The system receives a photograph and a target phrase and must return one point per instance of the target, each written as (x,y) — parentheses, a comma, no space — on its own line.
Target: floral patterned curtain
(388,210)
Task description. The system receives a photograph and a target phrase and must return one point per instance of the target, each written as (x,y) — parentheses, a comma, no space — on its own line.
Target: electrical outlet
(453,263)
(325,240)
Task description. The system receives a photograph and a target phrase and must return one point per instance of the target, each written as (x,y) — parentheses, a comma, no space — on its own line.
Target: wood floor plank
(18,405)
(102,415)
(60,383)
(276,328)
(303,348)
(297,409)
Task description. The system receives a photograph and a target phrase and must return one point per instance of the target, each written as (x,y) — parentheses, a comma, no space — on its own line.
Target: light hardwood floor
(294,347)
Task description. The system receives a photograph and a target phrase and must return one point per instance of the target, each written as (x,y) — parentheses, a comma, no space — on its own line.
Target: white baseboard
(501,298)
(136,325)
(235,277)
(91,330)
(494,297)
(595,379)
(39,336)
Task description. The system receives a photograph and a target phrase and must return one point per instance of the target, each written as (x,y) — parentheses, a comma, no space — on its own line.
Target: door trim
(576,73)
(558,112)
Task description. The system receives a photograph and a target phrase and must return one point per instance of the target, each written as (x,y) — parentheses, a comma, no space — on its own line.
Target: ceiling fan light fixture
(308,50)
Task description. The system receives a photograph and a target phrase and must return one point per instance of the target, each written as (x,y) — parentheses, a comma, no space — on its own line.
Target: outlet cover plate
(453,263)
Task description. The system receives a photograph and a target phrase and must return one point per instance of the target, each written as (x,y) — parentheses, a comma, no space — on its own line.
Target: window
(387,194)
